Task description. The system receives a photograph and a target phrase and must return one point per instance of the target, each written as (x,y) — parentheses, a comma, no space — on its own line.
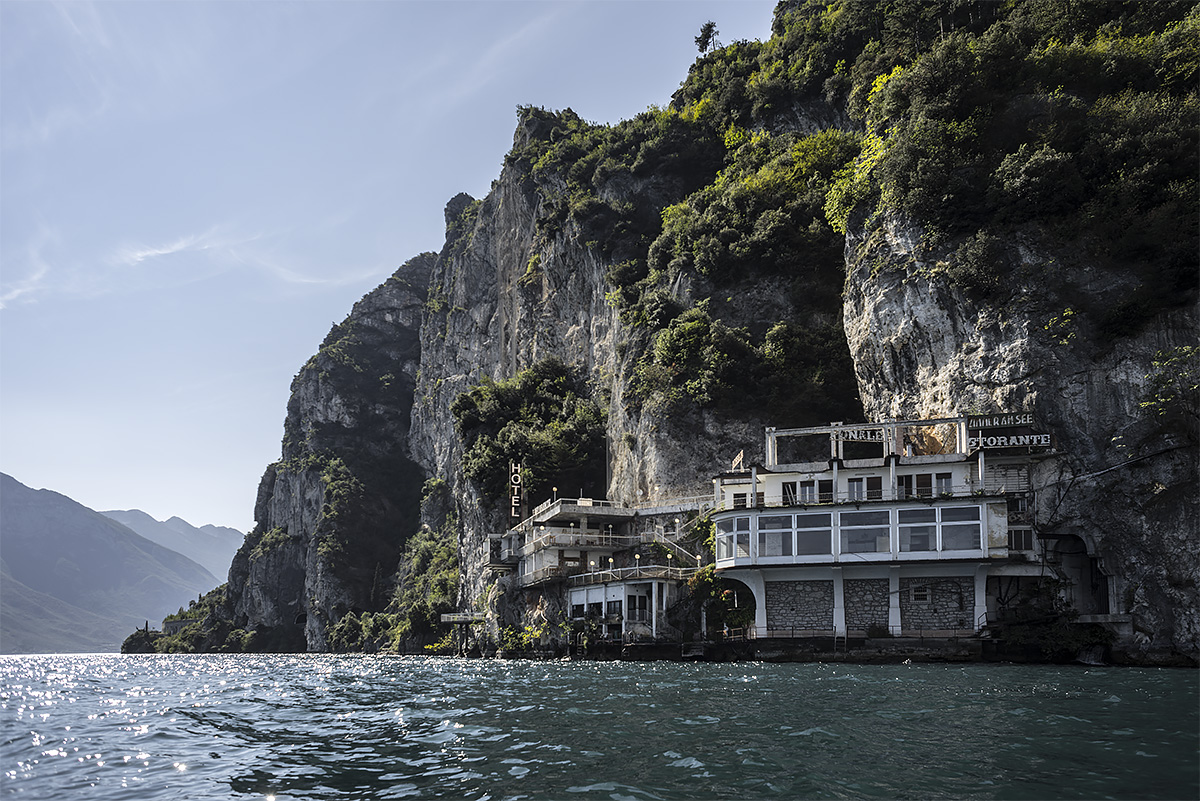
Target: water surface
(342,727)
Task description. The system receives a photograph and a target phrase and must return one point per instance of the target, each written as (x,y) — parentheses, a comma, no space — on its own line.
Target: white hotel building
(900,528)
(923,536)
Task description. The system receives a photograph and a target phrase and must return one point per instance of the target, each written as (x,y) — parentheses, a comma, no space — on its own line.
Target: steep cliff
(899,212)
(1123,485)
(333,513)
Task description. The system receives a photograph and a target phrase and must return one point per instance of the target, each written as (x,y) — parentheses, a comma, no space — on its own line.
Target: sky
(192,193)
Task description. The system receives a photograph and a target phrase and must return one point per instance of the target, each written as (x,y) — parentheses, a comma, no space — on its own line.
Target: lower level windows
(1020,539)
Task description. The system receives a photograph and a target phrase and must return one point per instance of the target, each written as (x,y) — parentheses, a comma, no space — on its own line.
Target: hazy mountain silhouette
(74,580)
(210,546)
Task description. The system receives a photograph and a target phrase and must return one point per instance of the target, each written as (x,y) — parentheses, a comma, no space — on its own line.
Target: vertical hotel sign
(516,491)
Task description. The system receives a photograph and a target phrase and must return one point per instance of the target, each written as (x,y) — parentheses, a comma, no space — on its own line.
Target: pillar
(839,603)
(654,609)
(894,623)
(981,574)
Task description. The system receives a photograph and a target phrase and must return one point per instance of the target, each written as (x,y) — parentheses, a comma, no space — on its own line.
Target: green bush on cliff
(541,419)
(764,213)
(426,585)
(797,370)
(1072,123)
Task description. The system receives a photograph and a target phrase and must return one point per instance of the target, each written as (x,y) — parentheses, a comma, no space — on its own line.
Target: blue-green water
(365,727)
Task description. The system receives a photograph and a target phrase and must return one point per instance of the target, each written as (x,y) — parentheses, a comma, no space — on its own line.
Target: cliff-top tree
(539,418)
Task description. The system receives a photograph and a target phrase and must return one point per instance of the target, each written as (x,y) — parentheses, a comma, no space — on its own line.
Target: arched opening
(730,614)
(1089,584)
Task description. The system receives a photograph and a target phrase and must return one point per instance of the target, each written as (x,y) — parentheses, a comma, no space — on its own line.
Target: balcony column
(839,603)
(894,625)
(981,574)
(654,610)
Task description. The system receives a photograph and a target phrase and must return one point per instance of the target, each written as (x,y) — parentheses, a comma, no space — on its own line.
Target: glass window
(918,538)
(614,607)
(856,489)
(743,543)
(1020,539)
(725,526)
(818,520)
(918,515)
(876,518)
(904,486)
(741,523)
(576,610)
(774,543)
(814,541)
(825,490)
(960,537)
(874,488)
(808,492)
(954,514)
(774,522)
(924,485)
(739,500)
(865,540)
(789,493)
(942,483)
(725,546)
(920,594)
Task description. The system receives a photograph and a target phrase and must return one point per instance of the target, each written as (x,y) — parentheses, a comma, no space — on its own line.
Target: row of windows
(638,606)
(953,528)
(859,488)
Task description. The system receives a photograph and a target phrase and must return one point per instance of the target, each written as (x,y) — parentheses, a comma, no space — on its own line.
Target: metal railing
(598,502)
(573,538)
(957,491)
(580,579)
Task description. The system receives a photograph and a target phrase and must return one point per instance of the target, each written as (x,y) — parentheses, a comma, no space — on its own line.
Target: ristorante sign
(1008,441)
(981,434)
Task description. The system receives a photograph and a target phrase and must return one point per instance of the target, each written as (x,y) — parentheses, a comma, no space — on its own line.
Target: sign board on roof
(976,422)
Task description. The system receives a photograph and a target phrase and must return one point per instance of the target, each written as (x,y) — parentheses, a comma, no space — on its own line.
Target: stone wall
(800,605)
(951,603)
(866,603)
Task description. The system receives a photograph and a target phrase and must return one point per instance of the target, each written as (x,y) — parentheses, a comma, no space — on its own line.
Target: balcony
(637,573)
(554,537)
(972,489)
(546,574)
(881,532)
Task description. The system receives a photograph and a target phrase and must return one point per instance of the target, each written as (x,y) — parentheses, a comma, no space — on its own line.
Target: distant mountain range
(74,580)
(212,547)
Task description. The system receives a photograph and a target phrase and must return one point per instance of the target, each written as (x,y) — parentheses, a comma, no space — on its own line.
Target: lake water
(365,727)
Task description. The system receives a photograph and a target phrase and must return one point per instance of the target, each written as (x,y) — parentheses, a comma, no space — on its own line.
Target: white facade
(901,542)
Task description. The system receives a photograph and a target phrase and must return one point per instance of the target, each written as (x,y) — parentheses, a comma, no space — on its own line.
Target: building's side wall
(800,605)
(866,603)
(950,604)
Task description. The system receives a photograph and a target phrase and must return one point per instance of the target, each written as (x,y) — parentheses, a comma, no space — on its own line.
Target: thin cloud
(34,281)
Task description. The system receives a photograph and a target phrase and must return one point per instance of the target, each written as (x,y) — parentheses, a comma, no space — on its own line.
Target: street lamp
(638,570)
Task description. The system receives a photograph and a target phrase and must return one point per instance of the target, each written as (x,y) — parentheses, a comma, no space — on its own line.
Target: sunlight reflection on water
(324,727)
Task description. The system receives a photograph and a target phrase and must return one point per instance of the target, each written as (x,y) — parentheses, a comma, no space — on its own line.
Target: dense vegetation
(542,419)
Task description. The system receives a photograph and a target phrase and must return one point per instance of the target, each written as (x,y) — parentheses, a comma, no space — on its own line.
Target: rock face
(503,296)
(536,270)
(332,512)
(1123,487)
